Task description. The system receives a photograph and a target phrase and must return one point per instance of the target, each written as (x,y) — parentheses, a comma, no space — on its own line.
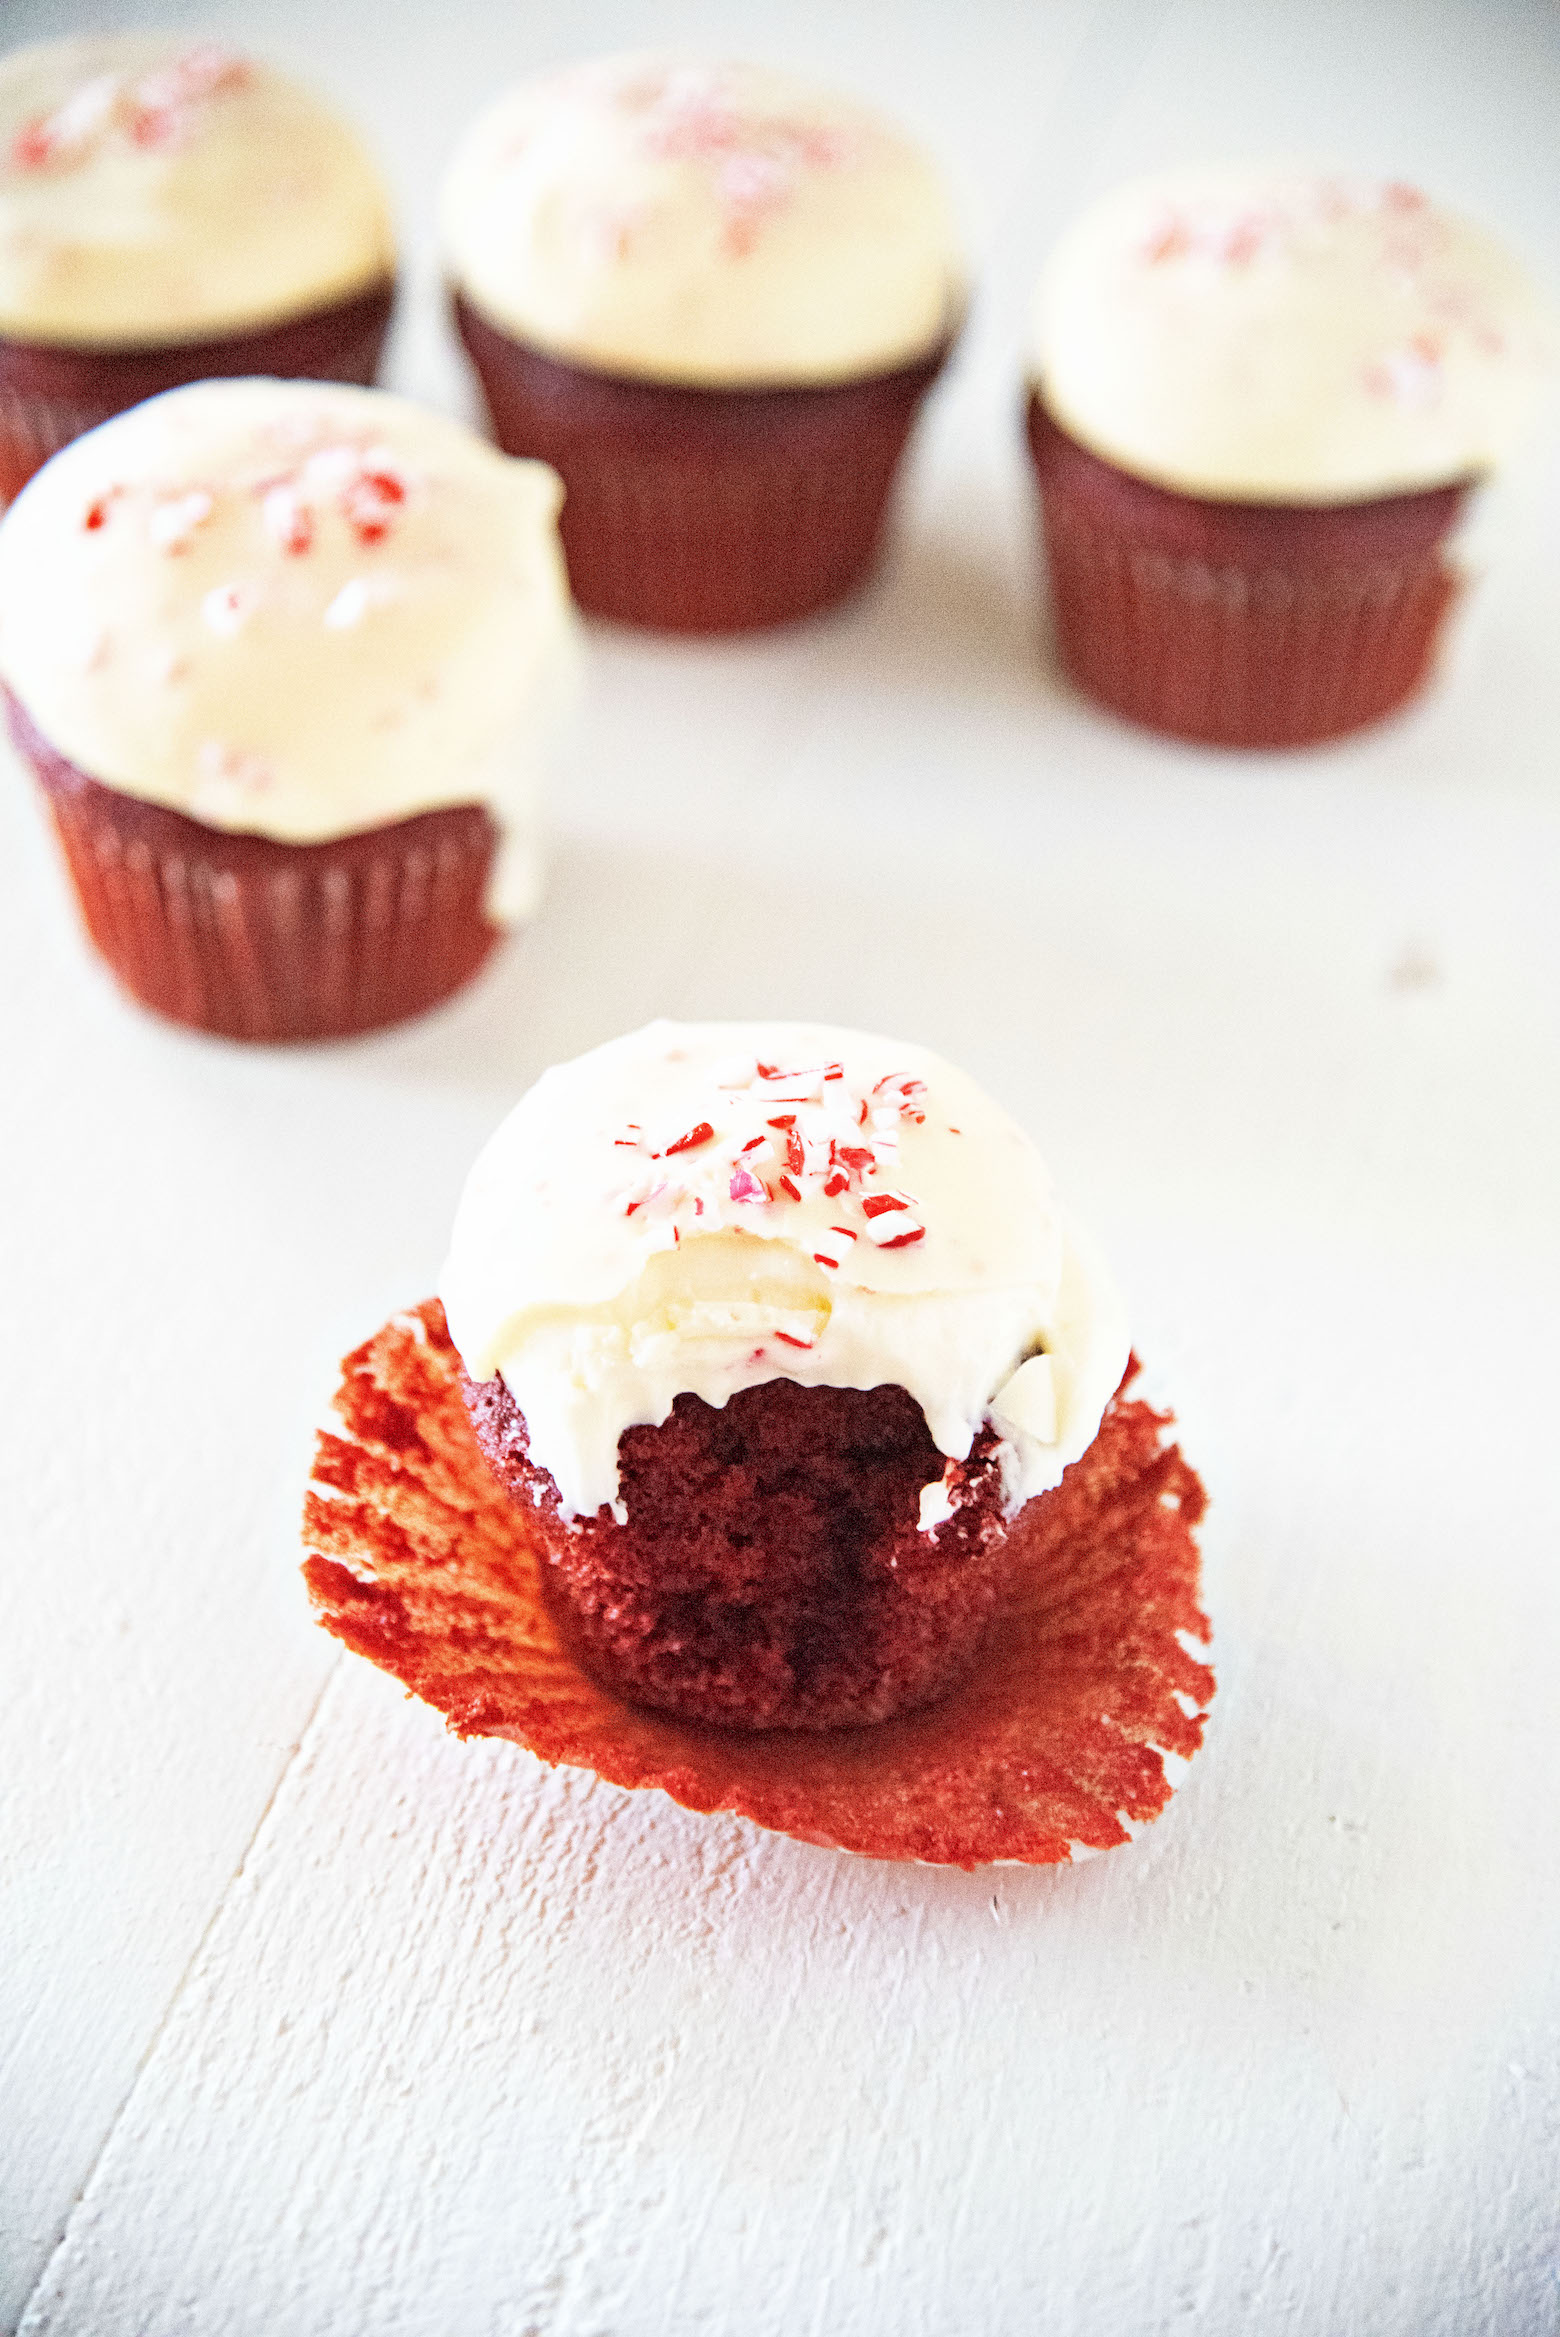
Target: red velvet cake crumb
(1055,1741)
(769,1572)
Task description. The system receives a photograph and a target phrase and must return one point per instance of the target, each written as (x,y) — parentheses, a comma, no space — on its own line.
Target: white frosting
(294,610)
(702,223)
(700,1207)
(155,190)
(1287,335)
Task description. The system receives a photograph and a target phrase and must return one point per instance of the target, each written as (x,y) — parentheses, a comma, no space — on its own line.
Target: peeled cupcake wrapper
(250,939)
(704,510)
(1055,1746)
(1242,649)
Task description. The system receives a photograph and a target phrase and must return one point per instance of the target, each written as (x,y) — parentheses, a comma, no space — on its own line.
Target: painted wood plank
(466,2037)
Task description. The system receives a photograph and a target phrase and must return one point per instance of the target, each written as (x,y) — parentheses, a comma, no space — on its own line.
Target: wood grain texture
(469,2044)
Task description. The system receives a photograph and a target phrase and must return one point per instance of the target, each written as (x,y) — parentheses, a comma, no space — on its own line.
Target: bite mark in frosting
(698,1208)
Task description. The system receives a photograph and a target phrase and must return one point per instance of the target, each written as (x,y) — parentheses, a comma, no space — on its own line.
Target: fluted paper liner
(248,938)
(694,510)
(1056,1743)
(52,394)
(1239,625)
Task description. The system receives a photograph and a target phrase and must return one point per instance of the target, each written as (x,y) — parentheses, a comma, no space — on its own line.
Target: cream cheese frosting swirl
(718,224)
(153,190)
(295,610)
(700,1207)
(1288,335)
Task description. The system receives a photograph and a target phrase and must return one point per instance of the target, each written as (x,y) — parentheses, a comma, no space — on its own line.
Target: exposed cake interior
(775,1326)
(770,1569)
(1087,1694)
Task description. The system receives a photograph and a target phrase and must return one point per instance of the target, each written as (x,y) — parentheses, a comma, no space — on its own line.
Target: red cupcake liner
(51,394)
(704,510)
(1055,1744)
(251,939)
(1239,624)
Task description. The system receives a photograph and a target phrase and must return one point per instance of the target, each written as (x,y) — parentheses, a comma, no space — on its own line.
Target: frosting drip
(154,191)
(706,223)
(698,1208)
(1283,335)
(297,611)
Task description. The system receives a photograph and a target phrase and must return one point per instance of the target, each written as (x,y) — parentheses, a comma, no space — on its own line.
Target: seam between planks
(160,2029)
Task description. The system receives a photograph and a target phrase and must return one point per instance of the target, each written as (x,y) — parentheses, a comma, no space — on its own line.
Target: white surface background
(313,2020)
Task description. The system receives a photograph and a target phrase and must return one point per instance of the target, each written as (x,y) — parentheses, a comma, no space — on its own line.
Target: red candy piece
(427,1567)
(702,1134)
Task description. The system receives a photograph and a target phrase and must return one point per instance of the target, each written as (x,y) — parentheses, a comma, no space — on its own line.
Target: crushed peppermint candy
(1232,232)
(157,112)
(755,157)
(226,609)
(1411,375)
(225,769)
(365,488)
(97,512)
(288,518)
(702,1134)
(835,1140)
(174,518)
(357,597)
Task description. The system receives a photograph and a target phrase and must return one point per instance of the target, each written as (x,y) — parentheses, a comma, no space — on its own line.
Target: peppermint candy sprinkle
(832,1138)
(157,112)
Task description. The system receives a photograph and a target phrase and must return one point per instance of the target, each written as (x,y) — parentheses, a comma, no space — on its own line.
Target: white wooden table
(313,2020)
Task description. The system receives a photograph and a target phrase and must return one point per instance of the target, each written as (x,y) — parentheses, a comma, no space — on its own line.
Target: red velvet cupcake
(261,238)
(772,1329)
(283,657)
(782,1456)
(713,298)
(1259,401)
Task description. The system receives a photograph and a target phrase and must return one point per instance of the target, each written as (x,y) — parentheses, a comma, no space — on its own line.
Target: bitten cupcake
(171,211)
(1260,399)
(284,657)
(775,1444)
(713,297)
(773,1329)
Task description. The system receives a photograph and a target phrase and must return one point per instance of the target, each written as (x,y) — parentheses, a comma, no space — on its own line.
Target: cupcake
(772,1329)
(284,657)
(713,297)
(171,211)
(774,1444)
(1260,399)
